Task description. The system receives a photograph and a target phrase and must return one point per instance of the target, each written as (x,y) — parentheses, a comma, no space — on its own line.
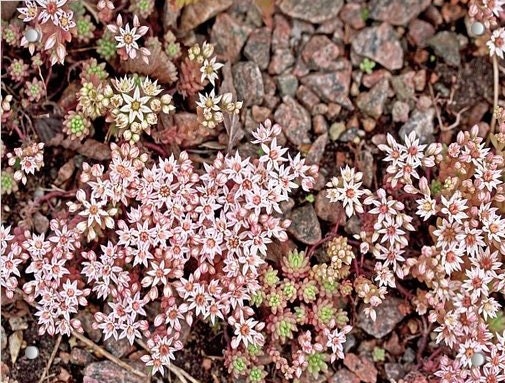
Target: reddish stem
(407,294)
(53,194)
(158,149)
(332,234)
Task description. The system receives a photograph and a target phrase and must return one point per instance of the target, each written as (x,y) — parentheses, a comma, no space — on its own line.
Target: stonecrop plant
(159,238)
(302,306)
(192,241)
(456,194)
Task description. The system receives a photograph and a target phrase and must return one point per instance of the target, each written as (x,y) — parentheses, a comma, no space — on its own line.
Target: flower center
(128,39)
(51,8)
(135,105)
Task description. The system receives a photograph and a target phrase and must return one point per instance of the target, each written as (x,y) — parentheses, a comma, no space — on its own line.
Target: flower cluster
(211,107)
(302,308)
(11,256)
(135,105)
(462,270)
(52,22)
(132,104)
(192,241)
(386,233)
(488,13)
(26,160)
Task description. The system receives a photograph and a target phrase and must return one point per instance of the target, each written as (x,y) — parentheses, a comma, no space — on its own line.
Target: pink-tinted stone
(229,36)
(380,44)
(397,12)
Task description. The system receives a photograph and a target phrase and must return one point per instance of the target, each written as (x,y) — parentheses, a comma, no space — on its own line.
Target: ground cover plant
(256,191)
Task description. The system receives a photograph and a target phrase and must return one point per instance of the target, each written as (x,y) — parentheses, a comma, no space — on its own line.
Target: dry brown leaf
(91,148)
(159,67)
(15,342)
(65,172)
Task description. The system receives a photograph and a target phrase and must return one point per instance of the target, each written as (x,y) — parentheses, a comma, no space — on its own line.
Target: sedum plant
(192,240)
(456,195)
(301,305)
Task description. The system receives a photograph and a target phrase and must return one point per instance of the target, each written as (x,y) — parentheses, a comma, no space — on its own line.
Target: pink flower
(496,44)
(127,37)
(51,9)
(336,340)
(246,332)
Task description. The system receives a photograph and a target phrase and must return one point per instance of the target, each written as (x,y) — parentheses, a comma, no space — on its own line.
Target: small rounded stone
(32,35)
(477,28)
(32,352)
(478,359)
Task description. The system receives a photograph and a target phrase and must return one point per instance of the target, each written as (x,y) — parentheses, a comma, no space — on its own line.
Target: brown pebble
(319,124)
(333,111)
(368,124)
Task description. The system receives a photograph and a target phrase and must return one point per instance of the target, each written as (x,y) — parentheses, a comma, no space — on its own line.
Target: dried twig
(50,361)
(100,350)
(437,110)
(456,123)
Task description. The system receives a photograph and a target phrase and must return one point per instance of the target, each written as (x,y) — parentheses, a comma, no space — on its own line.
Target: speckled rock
(314,11)
(351,13)
(281,60)
(388,316)
(257,48)
(316,151)
(403,86)
(201,11)
(87,320)
(397,12)
(281,32)
(319,123)
(415,377)
(306,97)
(305,225)
(343,375)
(445,44)
(260,113)
(287,85)
(119,348)
(248,83)
(419,32)
(320,53)
(422,123)
(328,211)
(332,86)
(300,28)
(109,372)
(380,44)
(81,357)
(295,121)
(372,103)
(400,111)
(394,371)
(229,36)
(362,367)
